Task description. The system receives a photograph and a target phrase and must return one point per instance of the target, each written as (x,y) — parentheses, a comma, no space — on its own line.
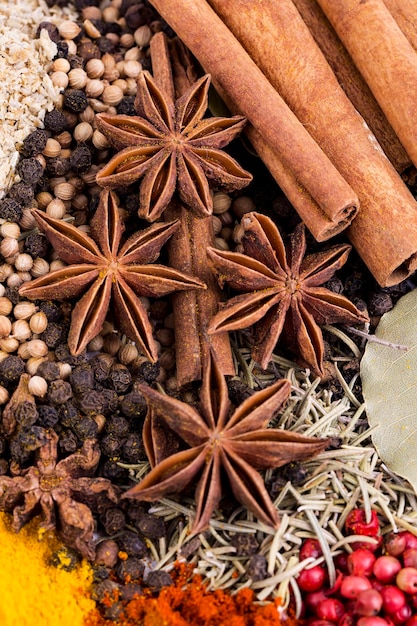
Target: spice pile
(76,378)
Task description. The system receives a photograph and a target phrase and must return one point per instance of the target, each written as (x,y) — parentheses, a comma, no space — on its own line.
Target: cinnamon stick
(385,58)
(280,43)
(240,81)
(405,14)
(351,81)
(188,250)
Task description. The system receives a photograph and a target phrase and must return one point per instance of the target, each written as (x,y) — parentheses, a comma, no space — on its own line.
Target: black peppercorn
(80,159)
(68,414)
(238,391)
(12,293)
(59,392)
(55,121)
(245,544)
(130,591)
(62,50)
(11,369)
(105,590)
(113,472)
(68,442)
(148,372)
(126,106)
(81,378)
(35,142)
(117,426)
(110,400)
(132,544)
(25,442)
(75,100)
(26,413)
(105,45)
(151,526)
(30,170)
(90,402)
(51,29)
(22,193)
(131,569)
(51,310)
(36,245)
(85,428)
(52,335)
(48,370)
(101,369)
(10,210)
(48,415)
(157,579)
(134,405)
(113,520)
(76,62)
(120,378)
(88,50)
(110,446)
(58,166)
(133,450)
(257,568)
(379,303)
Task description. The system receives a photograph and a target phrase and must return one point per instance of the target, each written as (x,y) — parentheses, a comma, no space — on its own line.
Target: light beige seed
(5,271)
(220,244)
(22,351)
(142,36)
(65,370)
(100,420)
(5,326)
(61,65)
(52,148)
(37,348)
(72,46)
(77,78)
(132,69)
(4,395)
(59,79)
(26,277)
(96,344)
(2,290)
(110,14)
(23,263)
(69,30)
(111,344)
(32,364)
(112,95)
(21,330)
(93,89)
(9,344)
(10,229)
(26,222)
(83,132)
(134,54)
(94,68)
(121,83)
(56,180)
(100,141)
(43,198)
(56,265)
(80,202)
(9,247)
(128,353)
(64,139)
(127,40)
(6,305)
(221,202)
(38,386)
(64,191)
(40,267)
(87,115)
(131,87)
(24,310)
(56,209)
(38,322)
(91,13)
(91,30)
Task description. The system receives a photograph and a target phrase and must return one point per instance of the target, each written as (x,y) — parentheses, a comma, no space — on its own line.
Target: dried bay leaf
(389,381)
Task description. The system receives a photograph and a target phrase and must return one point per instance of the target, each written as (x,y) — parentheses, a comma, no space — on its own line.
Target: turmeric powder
(34,591)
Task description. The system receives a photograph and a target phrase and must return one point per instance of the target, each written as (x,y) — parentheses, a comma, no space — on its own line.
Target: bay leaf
(389,384)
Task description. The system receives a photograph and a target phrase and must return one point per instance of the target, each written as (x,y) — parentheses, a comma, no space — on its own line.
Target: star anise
(281,291)
(105,272)
(52,488)
(172,148)
(223,444)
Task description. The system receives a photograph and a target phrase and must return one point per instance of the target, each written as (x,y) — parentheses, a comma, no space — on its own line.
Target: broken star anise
(172,148)
(223,444)
(106,272)
(281,291)
(52,488)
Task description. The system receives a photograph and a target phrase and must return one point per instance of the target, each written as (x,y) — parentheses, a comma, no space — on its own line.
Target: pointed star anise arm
(222,443)
(281,292)
(102,273)
(171,148)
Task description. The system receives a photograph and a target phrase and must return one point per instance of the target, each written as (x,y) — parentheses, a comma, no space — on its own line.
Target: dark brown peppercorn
(25,442)
(133,450)
(130,591)
(76,62)
(148,372)
(68,442)
(110,401)
(59,392)
(48,416)
(75,100)
(157,579)
(238,391)
(51,29)
(48,370)
(131,569)
(80,159)
(101,369)
(81,379)
(113,472)
(114,611)
(110,446)
(26,413)
(51,310)
(90,402)
(55,121)
(117,426)
(134,405)
(52,335)
(4,467)
(138,15)
(132,544)
(11,369)
(35,142)
(107,588)
(105,45)
(62,50)
(10,210)
(85,428)
(57,166)
(88,50)
(379,303)
(68,414)
(13,294)
(245,544)
(126,106)
(36,245)
(120,378)
(151,526)
(22,193)
(30,170)
(113,521)
(257,567)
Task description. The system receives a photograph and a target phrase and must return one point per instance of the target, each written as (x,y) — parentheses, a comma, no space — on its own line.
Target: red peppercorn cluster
(376,584)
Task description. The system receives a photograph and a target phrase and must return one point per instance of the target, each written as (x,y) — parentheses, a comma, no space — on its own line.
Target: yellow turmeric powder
(33,592)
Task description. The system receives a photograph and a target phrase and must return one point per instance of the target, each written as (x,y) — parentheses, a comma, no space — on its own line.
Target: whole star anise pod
(53,487)
(172,148)
(224,445)
(106,272)
(281,291)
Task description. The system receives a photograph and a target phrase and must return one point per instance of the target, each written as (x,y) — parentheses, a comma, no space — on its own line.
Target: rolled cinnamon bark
(405,14)
(351,81)
(280,43)
(237,77)
(385,58)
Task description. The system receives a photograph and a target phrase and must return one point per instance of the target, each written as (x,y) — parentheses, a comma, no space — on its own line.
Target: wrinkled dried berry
(75,100)
(133,450)
(101,369)
(90,402)
(117,426)
(62,50)
(36,245)
(80,159)
(130,591)
(106,46)
(88,50)
(120,378)
(257,568)
(11,369)
(238,391)
(110,446)
(157,579)
(81,379)
(48,370)
(12,293)
(22,193)
(51,310)
(113,521)
(113,472)
(10,210)
(151,526)
(134,405)
(85,428)
(104,590)
(110,400)
(26,413)
(126,106)
(76,62)
(245,544)
(131,569)
(114,611)
(35,142)
(51,29)
(58,166)
(379,303)
(25,442)
(30,170)
(132,544)
(68,442)
(148,372)
(52,335)
(59,392)
(55,121)
(48,416)
(68,414)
